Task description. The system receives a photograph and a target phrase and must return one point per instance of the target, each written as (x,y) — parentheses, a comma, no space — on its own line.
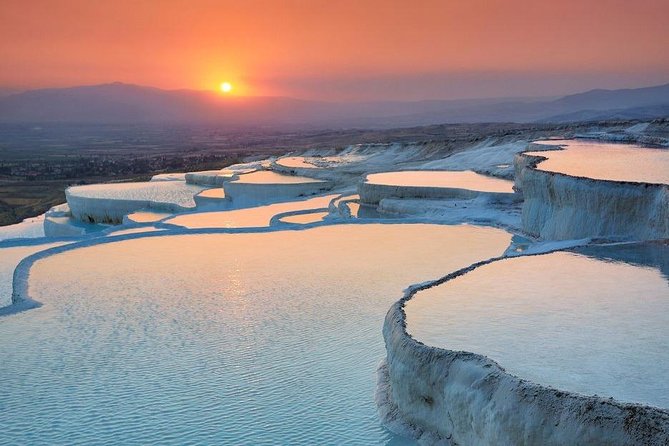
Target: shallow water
(256,217)
(147,216)
(266,338)
(295,162)
(213,193)
(312,217)
(133,231)
(606,161)
(269,177)
(354,208)
(592,326)
(443,178)
(9,258)
(301,162)
(176,192)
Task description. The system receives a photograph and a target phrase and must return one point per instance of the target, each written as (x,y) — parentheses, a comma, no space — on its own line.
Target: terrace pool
(252,338)
(442,178)
(254,217)
(270,177)
(606,161)
(595,322)
(10,256)
(311,217)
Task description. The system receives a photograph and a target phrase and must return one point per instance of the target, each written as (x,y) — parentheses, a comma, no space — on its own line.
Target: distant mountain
(640,113)
(121,103)
(616,99)
(124,103)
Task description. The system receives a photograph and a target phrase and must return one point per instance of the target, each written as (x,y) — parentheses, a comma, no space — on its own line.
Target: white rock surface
(561,206)
(10,256)
(459,398)
(29,228)
(265,187)
(58,222)
(109,203)
(488,158)
(458,185)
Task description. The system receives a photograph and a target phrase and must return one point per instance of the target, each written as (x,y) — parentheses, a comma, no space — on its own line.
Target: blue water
(592,323)
(267,338)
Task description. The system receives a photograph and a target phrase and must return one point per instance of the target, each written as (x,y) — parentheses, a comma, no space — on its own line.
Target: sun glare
(226,87)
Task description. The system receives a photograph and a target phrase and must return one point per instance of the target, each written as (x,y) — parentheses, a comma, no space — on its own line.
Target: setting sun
(226,87)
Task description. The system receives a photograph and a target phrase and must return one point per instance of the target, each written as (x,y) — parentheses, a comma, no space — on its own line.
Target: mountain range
(125,103)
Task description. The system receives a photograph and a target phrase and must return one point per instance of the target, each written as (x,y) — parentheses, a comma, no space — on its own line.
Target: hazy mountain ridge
(125,103)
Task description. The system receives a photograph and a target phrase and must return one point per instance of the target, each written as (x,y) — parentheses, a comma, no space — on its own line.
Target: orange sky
(338,49)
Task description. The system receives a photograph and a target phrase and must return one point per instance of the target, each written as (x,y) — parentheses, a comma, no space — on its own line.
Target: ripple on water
(227,338)
(9,258)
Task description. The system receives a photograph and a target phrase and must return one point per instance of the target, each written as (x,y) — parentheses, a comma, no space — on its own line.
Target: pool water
(442,178)
(301,162)
(255,338)
(311,217)
(133,231)
(147,216)
(586,324)
(213,193)
(255,217)
(269,177)
(606,161)
(295,162)
(9,258)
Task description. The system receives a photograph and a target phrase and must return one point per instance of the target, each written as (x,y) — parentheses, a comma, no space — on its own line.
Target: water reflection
(452,179)
(582,323)
(606,161)
(269,177)
(266,338)
(255,217)
(311,217)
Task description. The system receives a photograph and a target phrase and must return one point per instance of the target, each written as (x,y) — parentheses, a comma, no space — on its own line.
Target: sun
(226,87)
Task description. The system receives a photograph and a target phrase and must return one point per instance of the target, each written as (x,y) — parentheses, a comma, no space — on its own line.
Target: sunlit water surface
(9,258)
(353,208)
(295,162)
(145,216)
(255,217)
(133,231)
(587,325)
(269,177)
(266,338)
(442,178)
(311,217)
(301,162)
(217,192)
(606,161)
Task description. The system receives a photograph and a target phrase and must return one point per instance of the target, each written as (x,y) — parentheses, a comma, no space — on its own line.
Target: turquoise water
(264,338)
(595,322)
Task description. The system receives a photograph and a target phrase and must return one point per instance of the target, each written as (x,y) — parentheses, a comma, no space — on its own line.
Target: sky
(338,50)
